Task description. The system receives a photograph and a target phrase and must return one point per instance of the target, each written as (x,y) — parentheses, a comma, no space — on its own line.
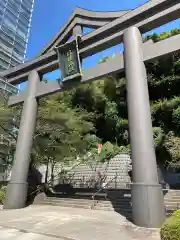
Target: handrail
(99,190)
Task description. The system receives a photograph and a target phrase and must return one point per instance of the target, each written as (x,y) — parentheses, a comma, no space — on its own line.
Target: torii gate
(111,28)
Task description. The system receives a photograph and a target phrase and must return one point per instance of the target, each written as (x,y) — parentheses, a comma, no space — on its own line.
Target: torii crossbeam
(111,28)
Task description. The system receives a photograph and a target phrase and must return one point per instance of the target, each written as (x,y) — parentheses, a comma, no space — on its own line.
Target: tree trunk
(52,173)
(46,175)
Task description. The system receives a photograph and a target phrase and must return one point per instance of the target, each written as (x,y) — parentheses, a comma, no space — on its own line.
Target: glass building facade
(15,22)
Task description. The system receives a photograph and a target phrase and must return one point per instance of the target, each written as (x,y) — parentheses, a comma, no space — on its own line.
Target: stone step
(53,203)
(89,200)
(172,194)
(88,203)
(96,207)
(116,201)
(171,203)
(171,207)
(119,200)
(123,210)
(172,198)
(84,200)
(103,197)
(101,204)
(177,193)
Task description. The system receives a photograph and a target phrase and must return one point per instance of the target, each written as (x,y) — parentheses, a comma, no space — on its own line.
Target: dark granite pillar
(147,196)
(17,187)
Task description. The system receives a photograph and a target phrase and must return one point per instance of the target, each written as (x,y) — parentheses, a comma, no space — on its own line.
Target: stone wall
(112,174)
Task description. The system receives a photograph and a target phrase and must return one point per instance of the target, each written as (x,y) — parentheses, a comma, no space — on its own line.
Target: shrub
(2,193)
(171,228)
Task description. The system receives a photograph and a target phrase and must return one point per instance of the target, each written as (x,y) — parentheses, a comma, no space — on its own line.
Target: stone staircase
(118,201)
(171,200)
(115,173)
(112,202)
(117,187)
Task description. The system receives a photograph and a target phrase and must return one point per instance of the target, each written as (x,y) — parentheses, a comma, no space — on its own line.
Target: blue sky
(50,15)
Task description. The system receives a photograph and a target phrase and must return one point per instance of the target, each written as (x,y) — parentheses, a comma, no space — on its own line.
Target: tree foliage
(8,134)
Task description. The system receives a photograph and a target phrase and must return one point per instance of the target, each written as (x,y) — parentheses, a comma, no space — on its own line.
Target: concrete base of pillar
(148,205)
(17,195)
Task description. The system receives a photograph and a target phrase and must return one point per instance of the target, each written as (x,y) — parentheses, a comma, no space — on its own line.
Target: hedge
(171,228)
(2,194)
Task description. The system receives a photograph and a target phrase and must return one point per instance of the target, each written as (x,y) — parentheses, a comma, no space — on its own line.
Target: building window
(19,57)
(2,4)
(28,3)
(21,44)
(8,31)
(15,18)
(6,37)
(19,50)
(25,12)
(2,68)
(17,1)
(14,62)
(23,26)
(12,17)
(20,40)
(4,64)
(11,9)
(5,57)
(18,47)
(1,17)
(21,33)
(23,20)
(5,49)
(10,24)
(4,42)
(12,5)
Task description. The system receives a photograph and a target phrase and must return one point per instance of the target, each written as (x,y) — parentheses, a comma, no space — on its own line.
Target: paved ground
(14,234)
(52,223)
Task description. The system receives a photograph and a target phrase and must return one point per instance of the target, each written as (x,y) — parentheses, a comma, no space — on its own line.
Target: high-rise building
(15,22)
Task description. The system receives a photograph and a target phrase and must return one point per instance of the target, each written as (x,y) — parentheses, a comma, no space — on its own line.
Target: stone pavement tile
(14,234)
(34,236)
(142,233)
(74,224)
(8,233)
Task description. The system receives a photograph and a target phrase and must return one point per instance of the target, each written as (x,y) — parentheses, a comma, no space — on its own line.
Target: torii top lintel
(84,18)
(109,29)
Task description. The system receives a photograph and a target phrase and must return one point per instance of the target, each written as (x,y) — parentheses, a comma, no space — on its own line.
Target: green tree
(61,133)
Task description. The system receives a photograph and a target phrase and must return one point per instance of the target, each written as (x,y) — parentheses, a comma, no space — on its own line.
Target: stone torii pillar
(147,195)
(17,187)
